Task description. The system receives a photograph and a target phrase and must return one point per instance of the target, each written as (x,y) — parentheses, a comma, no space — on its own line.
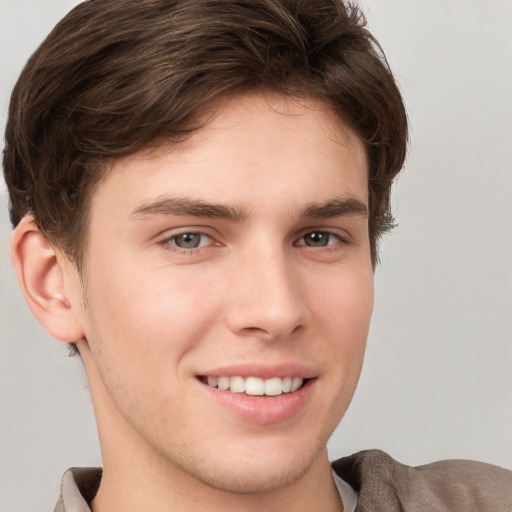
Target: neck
(134,487)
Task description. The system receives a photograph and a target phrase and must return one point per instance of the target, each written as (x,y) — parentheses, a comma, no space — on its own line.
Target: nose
(267,299)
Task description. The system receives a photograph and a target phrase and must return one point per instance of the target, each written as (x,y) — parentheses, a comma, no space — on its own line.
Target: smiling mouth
(255,386)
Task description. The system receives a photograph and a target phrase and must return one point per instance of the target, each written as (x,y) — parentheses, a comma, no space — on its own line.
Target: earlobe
(44,283)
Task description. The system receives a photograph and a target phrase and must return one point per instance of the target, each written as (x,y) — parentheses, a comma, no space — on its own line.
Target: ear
(45,282)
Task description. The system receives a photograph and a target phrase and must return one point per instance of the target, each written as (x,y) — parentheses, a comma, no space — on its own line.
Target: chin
(257,471)
(248,478)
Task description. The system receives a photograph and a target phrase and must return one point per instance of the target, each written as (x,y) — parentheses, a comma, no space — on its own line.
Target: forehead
(246,115)
(262,143)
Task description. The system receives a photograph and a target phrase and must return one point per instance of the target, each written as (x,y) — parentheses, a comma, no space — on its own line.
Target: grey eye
(189,240)
(318,239)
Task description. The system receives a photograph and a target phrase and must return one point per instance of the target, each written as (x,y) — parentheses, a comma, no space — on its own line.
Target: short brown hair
(116,75)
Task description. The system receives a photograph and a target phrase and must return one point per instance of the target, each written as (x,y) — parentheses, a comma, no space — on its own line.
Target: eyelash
(340,240)
(168,243)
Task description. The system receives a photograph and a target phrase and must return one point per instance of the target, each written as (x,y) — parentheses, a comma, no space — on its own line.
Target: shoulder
(385,484)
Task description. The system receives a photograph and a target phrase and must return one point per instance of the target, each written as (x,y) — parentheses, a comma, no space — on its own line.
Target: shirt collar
(77,489)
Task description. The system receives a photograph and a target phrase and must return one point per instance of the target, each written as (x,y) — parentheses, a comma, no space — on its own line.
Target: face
(229,289)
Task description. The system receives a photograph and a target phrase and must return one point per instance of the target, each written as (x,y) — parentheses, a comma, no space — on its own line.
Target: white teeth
(255,386)
(296,383)
(273,387)
(237,384)
(223,383)
(287,384)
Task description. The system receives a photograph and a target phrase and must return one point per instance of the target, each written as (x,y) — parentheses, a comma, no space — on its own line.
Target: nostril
(255,330)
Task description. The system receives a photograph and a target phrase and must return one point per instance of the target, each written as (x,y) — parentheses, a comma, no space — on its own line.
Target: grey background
(437,382)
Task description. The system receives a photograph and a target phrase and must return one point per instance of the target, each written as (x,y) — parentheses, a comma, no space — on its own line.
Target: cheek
(162,309)
(343,315)
(346,301)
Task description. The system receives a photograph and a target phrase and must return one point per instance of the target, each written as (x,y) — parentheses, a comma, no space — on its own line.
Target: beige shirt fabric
(385,485)
(381,484)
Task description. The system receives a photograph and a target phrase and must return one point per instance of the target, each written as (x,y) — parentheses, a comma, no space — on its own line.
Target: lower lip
(262,410)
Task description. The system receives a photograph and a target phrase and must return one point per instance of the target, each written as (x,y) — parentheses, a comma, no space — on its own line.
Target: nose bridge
(267,300)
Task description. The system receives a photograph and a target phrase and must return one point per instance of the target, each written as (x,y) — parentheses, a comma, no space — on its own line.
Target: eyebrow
(335,208)
(184,206)
(187,207)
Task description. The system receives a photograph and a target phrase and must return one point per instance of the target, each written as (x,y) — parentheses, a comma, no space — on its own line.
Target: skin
(152,316)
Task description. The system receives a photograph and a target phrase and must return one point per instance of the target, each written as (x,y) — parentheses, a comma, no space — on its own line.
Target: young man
(198,189)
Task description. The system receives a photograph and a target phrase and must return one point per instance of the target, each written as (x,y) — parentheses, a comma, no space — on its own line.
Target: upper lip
(264,371)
